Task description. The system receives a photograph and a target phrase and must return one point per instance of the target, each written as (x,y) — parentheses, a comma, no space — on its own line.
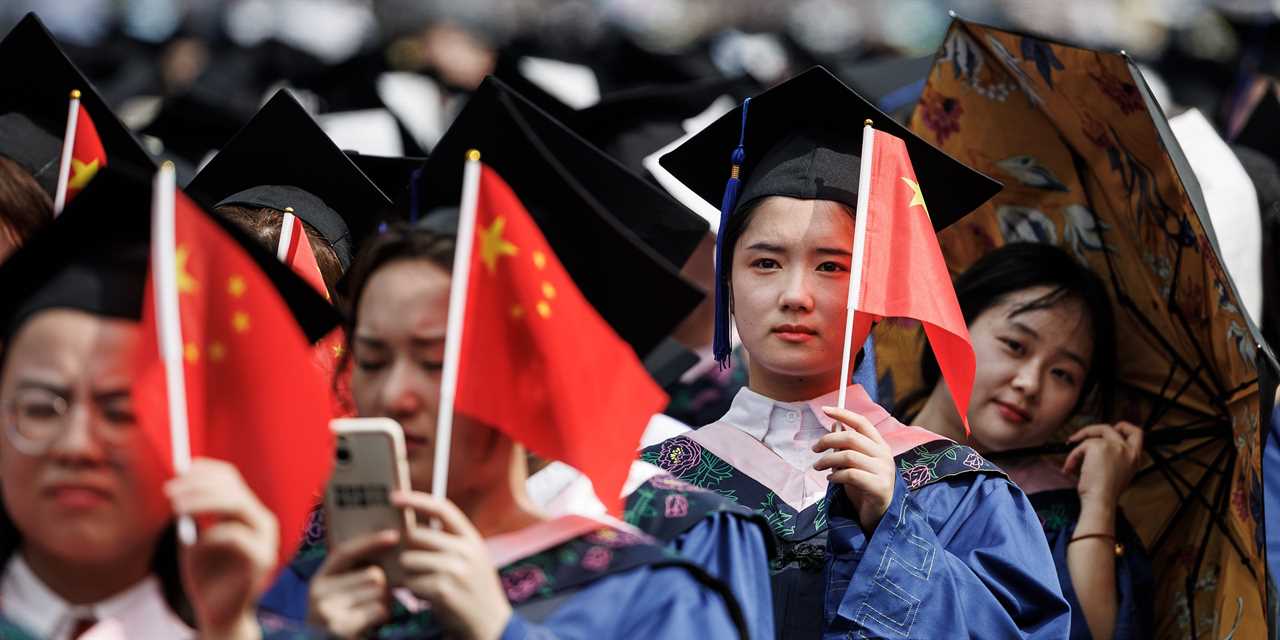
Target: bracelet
(1119,548)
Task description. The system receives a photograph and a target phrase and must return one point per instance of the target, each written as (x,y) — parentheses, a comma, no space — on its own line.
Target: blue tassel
(413,194)
(722,345)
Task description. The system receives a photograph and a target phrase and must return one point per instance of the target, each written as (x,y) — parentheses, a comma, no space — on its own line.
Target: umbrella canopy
(1089,164)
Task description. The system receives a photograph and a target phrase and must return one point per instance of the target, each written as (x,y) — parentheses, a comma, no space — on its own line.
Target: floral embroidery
(522,582)
(596,559)
(614,538)
(973,460)
(679,456)
(677,506)
(1054,517)
(775,516)
(917,476)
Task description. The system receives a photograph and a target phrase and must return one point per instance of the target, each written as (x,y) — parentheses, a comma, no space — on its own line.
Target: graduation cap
(35,91)
(392,174)
(621,239)
(282,158)
(94,258)
(633,124)
(802,139)
(196,121)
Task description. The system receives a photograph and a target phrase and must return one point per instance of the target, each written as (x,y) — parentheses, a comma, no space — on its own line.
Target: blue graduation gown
(958,556)
(1059,512)
(604,584)
(729,541)
(999,559)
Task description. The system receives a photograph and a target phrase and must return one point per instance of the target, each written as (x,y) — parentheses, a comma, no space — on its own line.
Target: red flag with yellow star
(903,270)
(86,156)
(295,251)
(254,396)
(538,362)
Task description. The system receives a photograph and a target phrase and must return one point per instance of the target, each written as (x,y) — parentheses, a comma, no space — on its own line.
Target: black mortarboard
(193,123)
(94,258)
(282,158)
(664,224)
(621,239)
(802,139)
(392,174)
(37,83)
(633,124)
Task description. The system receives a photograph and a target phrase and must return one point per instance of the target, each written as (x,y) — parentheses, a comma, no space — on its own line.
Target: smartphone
(370,464)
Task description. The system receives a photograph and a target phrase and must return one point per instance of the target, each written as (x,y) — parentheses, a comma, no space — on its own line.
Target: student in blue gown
(1044,337)
(885,530)
(498,568)
(87,520)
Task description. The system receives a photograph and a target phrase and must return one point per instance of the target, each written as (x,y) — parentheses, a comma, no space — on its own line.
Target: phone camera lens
(344,455)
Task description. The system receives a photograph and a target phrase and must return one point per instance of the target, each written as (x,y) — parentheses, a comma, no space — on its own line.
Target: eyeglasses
(36,418)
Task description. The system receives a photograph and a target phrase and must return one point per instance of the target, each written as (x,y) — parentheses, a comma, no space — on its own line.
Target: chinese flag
(903,272)
(254,396)
(296,252)
(87,153)
(538,362)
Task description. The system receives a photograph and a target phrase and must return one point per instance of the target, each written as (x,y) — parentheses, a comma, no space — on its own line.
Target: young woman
(1044,337)
(885,530)
(86,521)
(497,567)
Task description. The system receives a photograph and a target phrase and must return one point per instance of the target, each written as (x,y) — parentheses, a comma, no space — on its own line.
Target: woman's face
(1031,369)
(93,493)
(790,286)
(398,350)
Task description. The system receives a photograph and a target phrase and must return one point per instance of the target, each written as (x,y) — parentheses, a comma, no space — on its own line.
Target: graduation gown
(572,577)
(1057,506)
(957,554)
(728,540)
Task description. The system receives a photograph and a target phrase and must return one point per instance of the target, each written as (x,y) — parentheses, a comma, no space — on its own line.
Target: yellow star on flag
(191,352)
(217,352)
(338,350)
(493,245)
(186,283)
(236,286)
(240,321)
(82,173)
(917,198)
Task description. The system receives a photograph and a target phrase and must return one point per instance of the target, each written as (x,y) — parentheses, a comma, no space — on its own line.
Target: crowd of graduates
(687,449)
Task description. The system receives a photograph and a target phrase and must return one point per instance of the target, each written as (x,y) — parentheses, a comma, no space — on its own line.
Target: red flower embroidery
(677,506)
(596,559)
(1123,93)
(522,582)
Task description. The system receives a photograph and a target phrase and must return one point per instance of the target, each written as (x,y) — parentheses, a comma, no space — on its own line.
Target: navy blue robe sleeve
(1134,584)
(960,558)
(646,603)
(734,550)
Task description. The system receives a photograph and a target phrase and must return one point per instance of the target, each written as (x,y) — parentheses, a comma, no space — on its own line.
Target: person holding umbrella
(1044,336)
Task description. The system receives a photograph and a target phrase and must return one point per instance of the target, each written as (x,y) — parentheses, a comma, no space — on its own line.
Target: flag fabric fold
(537,360)
(903,269)
(254,397)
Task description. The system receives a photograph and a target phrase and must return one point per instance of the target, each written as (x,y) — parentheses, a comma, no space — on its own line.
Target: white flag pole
(286,235)
(859,251)
(164,270)
(68,144)
(457,316)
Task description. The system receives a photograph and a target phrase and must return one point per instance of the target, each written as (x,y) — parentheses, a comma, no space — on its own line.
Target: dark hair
(399,241)
(24,205)
(264,223)
(1023,265)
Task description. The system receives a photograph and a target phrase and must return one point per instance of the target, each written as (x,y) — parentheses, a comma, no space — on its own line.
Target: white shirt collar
(140,610)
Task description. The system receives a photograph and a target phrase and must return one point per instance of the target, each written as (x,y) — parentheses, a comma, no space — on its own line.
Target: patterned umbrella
(1089,164)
